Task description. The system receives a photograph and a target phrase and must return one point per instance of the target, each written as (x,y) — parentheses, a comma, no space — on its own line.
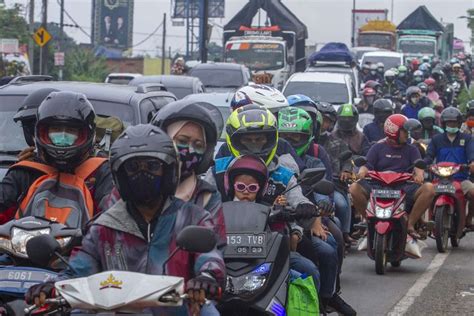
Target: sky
(326,20)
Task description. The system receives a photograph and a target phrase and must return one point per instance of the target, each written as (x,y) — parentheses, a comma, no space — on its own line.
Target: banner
(113,23)
(364,16)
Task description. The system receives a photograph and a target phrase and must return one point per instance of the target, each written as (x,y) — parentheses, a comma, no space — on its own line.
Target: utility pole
(31,20)
(163,46)
(61,37)
(204,17)
(353,23)
(44,49)
(391,13)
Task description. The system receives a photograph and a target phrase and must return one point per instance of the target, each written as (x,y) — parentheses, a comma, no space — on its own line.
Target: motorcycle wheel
(380,253)
(443,226)
(454,236)
(396,264)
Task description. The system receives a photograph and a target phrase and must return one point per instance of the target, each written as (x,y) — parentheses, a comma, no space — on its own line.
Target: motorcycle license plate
(386,194)
(445,188)
(247,245)
(19,280)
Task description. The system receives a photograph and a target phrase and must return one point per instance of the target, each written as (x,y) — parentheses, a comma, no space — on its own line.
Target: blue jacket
(460,151)
(373,132)
(411,112)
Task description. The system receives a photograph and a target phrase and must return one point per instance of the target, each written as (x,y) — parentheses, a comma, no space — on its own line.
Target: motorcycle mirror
(346,155)
(41,249)
(360,161)
(311,175)
(357,101)
(323,187)
(196,239)
(412,124)
(421,164)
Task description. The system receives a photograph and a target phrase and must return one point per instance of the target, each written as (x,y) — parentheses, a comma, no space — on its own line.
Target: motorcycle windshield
(245,216)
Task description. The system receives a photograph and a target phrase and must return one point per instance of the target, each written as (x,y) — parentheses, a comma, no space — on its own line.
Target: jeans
(343,211)
(209,310)
(305,266)
(328,264)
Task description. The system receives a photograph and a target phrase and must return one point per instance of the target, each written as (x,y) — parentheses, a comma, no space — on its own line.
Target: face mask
(373,72)
(62,139)
(470,123)
(144,187)
(414,100)
(452,130)
(428,125)
(189,158)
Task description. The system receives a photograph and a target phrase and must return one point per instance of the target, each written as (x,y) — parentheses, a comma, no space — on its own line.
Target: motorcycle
(118,291)
(449,208)
(18,271)
(257,260)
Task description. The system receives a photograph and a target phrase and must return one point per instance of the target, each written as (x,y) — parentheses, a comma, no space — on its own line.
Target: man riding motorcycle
(468,126)
(367,102)
(413,105)
(374,132)
(373,74)
(346,130)
(395,154)
(390,87)
(139,232)
(427,118)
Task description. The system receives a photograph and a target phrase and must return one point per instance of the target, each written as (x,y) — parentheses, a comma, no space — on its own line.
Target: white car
(389,59)
(335,88)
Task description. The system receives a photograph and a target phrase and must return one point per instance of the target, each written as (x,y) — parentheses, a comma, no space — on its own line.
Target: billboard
(363,16)
(113,23)
(180,9)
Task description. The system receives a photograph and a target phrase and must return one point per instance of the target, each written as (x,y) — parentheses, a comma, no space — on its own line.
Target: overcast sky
(327,20)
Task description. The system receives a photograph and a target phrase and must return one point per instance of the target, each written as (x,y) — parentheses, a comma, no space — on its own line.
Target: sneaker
(362,244)
(340,306)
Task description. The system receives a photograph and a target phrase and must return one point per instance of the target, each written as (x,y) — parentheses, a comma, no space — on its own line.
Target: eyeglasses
(241,187)
(152,165)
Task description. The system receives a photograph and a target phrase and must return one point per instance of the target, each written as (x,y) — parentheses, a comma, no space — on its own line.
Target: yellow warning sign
(41,36)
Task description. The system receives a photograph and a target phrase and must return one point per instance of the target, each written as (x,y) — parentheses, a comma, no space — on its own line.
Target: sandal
(413,233)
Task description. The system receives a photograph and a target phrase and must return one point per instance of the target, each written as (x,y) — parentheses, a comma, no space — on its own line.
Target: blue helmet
(300,99)
(239,99)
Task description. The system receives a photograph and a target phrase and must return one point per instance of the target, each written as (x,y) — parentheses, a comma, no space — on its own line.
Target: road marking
(404,304)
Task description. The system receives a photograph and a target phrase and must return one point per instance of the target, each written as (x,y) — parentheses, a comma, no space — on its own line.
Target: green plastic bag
(302,298)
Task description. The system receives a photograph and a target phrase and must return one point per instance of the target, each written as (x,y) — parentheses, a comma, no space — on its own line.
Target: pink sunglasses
(241,187)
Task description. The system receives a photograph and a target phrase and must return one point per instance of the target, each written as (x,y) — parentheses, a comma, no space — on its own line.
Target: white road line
(404,304)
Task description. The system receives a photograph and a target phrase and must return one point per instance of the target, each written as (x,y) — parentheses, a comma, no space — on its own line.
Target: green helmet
(296,126)
(402,68)
(425,113)
(347,117)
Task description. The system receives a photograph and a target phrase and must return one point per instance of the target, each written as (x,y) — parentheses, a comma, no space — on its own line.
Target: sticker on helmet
(390,127)
(347,110)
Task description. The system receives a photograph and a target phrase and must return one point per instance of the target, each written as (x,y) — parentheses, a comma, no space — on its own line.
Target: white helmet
(389,74)
(266,96)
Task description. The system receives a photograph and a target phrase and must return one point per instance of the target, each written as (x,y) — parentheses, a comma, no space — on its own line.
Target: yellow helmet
(252,129)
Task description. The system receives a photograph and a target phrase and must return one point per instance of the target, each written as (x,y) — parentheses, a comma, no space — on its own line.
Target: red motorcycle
(449,207)
(387,220)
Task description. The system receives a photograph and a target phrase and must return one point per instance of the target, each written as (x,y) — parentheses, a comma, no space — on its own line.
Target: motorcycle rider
(427,118)
(374,132)
(402,78)
(413,105)
(433,95)
(390,87)
(417,78)
(380,70)
(395,154)
(424,101)
(468,126)
(456,147)
(64,137)
(346,130)
(139,232)
(373,74)
(367,102)
(364,72)
(329,121)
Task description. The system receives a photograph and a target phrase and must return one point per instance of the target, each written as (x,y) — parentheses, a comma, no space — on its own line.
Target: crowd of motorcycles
(36,249)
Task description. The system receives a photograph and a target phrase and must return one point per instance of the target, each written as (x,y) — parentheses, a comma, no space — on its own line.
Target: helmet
(368,92)
(265,96)
(296,121)
(239,99)
(426,113)
(366,66)
(453,61)
(424,67)
(430,81)
(437,74)
(252,120)
(395,71)
(450,114)
(202,113)
(373,67)
(250,165)
(418,75)
(402,68)
(66,109)
(425,59)
(389,75)
(144,140)
(415,63)
(347,117)
(306,103)
(423,87)
(327,110)
(383,108)
(372,84)
(27,113)
(393,125)
(380,65)
(447,68)
(412,90)
(456,65)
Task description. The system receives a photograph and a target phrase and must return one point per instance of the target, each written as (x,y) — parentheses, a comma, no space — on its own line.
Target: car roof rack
(150,87)
(31,78)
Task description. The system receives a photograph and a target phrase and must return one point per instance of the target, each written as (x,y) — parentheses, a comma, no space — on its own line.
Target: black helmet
(144,140)
(27,113)
(347,117)
(383,108)
(412,90)
(69,109)
(204,114)
(451,114)
(327,110)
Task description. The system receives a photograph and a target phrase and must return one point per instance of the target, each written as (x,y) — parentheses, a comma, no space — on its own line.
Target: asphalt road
(436,284)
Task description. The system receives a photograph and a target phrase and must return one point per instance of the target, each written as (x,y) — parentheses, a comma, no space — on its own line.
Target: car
(180,86)
(221,77)
(133,105)
(359,51)
(121,78)
(337,67)
(389,59)
(335,88)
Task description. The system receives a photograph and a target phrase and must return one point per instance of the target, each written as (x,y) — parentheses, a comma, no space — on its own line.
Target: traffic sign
(59,59)
(41,36)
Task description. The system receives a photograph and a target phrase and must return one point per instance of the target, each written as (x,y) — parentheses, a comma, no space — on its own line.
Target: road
(436,284)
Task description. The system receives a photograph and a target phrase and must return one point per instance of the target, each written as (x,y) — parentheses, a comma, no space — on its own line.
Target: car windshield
(120,110)
(11,133)
(388,62)
(335,93)
(417,47)
(376,40)
(219,78)
(256,56)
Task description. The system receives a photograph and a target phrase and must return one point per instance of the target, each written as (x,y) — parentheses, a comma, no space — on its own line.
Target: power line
(149,36)
(74,21)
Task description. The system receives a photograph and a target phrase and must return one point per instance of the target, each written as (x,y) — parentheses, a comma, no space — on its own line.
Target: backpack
(106,131)
(60,197)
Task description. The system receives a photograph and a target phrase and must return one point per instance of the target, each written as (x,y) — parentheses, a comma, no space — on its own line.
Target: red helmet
(368,92)
(393,125)
(415,63)
(430,81)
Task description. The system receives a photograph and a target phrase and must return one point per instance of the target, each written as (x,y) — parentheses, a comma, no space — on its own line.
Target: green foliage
(12,25)
(82,65)
(464,97)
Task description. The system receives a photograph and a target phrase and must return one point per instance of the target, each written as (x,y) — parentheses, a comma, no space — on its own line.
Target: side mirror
(412,124)
(360,161)
(311,175)
(323,187)
(357,101)
(421,164)
(196,239)
(346,155)
(41,249)
(290,60)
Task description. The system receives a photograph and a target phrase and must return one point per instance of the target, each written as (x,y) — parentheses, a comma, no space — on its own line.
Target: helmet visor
(347,123)
(258,143)
(297,140)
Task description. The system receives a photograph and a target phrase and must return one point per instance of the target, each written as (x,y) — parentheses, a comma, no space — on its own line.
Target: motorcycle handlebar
(289,214)
(58,301)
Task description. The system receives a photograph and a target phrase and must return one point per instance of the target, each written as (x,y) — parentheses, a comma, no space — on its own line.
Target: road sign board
(59,59)
(9,45)
(41,36)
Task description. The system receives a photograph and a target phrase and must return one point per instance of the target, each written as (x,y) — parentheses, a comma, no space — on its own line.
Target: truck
(420,34)
(272,52)
(378,33)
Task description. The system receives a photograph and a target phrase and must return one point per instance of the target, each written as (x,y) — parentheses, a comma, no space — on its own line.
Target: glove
(325,206)
(203,283)
(34,292)
(306,211)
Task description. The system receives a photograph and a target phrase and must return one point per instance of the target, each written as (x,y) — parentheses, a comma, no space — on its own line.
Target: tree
(12,25)
(82,65)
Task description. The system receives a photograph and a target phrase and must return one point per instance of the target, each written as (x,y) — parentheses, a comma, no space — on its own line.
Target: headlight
(20,237)
(381,212)
(445,171)
(6,244)
(63,241)
(248,283)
